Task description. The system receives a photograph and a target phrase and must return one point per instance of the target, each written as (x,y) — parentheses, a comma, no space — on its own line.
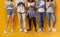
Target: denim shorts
(10,11)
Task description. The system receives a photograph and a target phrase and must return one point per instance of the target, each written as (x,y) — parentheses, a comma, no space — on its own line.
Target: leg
(12,22)
(24,21)
(42,20)
(29,24)
(34,20)
(40,23)
(8,17)
(54,21)
(29,19)
(19,18)
(48,16)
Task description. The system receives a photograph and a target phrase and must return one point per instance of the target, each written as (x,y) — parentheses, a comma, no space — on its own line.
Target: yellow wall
(32,33)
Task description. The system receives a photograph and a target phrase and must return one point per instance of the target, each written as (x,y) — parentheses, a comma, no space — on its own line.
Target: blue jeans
(10,11)
(53,18)
(31,13)
(41,19)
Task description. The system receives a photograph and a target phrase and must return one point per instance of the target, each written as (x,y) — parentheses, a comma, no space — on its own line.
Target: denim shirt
(31,12)
(38,4)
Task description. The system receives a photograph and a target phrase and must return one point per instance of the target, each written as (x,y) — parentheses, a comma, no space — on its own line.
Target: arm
(5,5)
(37,5)
(53,4)
(42,5)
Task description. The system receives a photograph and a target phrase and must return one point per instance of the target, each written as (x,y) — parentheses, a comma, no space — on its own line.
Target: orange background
(17,33)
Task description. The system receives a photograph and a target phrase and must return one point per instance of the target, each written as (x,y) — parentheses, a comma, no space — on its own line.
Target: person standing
(31,14)
(40,5)
(50,5)
(9,5)
(20,5)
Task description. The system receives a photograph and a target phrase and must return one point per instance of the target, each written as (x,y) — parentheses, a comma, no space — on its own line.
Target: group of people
(29,9)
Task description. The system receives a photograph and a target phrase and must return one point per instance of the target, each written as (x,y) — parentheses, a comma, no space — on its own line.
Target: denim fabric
(53,18)
(38,3)
(31,13)
(10,11)
(41,19)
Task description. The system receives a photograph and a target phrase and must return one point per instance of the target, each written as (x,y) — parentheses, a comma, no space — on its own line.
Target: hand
(50,4)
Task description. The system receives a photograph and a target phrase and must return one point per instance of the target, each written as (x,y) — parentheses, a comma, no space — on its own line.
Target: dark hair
(29,0)
(51,0)
(11,0)
(48,0)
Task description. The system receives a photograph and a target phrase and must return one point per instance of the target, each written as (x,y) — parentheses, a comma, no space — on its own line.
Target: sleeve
(42,3)
(37,4)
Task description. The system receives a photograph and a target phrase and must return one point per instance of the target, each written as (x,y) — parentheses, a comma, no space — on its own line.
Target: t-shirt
(20,8)
(17,1)
(50,9)
(41,9)
(31,4)
(8,5)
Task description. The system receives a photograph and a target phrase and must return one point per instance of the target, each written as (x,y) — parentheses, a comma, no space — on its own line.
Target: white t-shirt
(20,8)
(41,9)
(17,1)
(7,3)
(31,4)
(50,9)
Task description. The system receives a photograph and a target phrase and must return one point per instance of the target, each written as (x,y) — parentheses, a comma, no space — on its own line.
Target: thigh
(39,16)
(53,17)
(48,15)
(19,16)
(42,16)
(23,16)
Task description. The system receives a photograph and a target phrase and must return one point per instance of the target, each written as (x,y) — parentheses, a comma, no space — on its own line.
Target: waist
(21,12)
(9,8)
(41,10)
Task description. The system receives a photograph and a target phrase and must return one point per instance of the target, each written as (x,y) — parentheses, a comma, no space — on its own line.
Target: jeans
(53,18)
(41,19)
(10,11)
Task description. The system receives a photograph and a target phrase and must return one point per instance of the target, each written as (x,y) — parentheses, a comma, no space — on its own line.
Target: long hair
(29,0)
(51,0)
(10,0)
(48,0)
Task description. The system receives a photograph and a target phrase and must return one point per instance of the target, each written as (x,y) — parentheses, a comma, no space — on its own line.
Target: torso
(50,9)
(21,7)
(8,3)
(41,9)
